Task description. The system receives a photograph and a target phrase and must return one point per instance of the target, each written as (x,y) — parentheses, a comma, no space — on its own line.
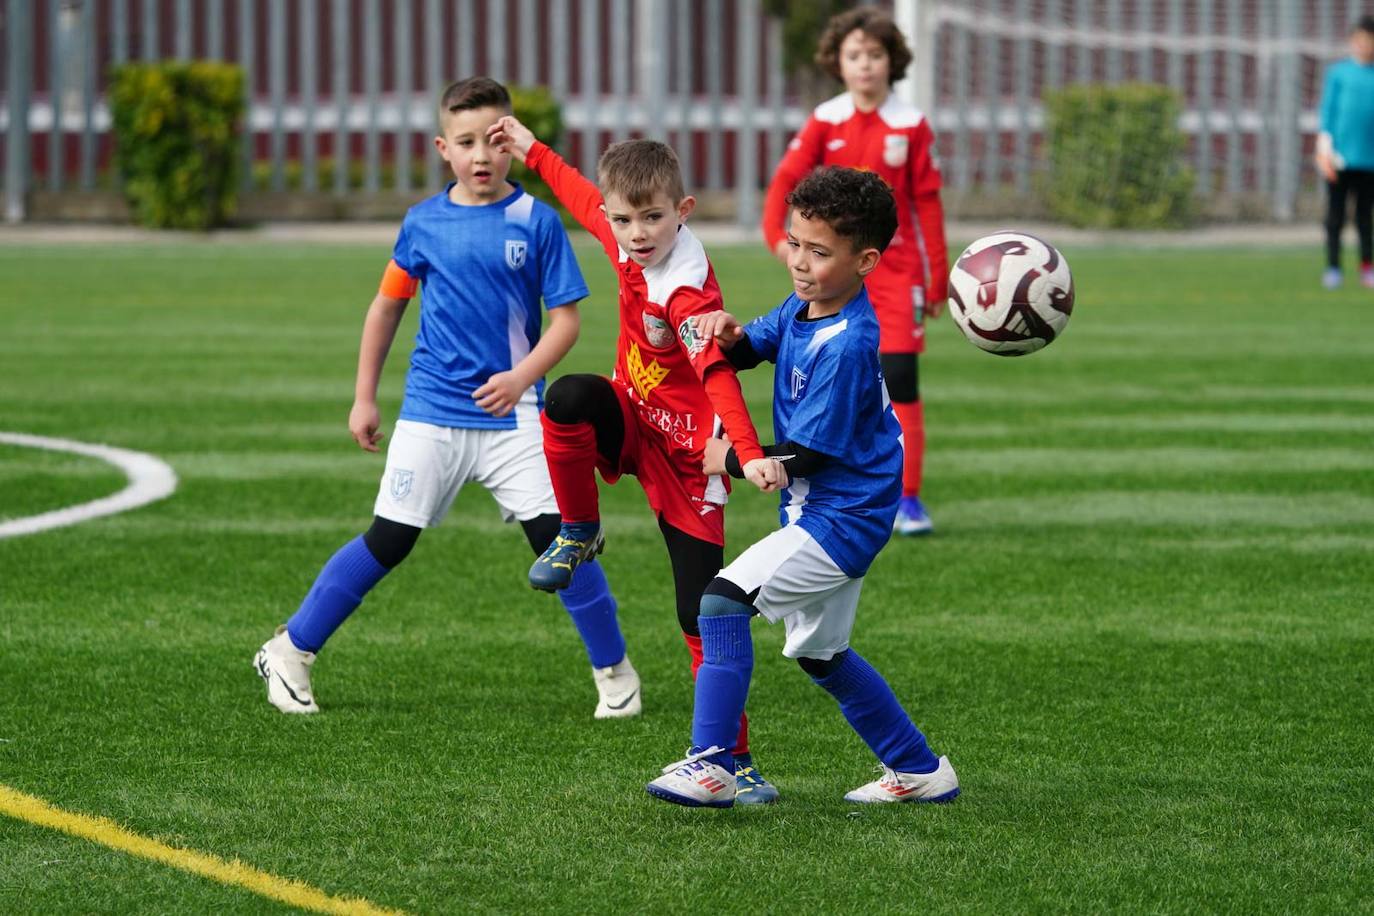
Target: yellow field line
(108,833)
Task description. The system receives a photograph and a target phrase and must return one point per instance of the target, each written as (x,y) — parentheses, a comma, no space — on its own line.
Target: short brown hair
(471,93)
(874,23)
(639,169)
(858,205)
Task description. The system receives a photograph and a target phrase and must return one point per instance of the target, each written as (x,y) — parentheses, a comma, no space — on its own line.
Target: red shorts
(671,476)
(900,308)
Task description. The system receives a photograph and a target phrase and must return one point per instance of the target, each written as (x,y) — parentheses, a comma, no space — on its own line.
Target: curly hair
(858,205)
(874,23)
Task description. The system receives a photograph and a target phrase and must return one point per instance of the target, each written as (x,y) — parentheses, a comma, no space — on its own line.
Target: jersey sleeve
(560,278)
(405,270)
(404,253)
(580,196)
(824,416)
(1330,93)
(765,332)
(930,212)
(683,305)
(803,154)
(713,368)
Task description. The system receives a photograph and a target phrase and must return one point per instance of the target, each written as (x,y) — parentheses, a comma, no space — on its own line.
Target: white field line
(150,479)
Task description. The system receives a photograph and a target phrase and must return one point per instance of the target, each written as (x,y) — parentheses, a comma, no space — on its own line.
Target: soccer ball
(1011,293)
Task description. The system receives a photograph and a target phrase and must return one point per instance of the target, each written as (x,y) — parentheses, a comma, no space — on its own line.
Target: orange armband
(396,283)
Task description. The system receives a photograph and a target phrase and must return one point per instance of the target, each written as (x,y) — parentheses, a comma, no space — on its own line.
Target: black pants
(1360,182)
(590,399)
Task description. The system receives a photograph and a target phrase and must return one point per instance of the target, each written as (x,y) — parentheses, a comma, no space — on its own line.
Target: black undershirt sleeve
(800,461)
(742,355)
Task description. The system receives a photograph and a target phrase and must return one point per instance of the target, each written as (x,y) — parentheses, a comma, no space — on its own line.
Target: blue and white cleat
(912,519)
(574,543)
(750,786)
(695,781)
(1332,279)
(939,786)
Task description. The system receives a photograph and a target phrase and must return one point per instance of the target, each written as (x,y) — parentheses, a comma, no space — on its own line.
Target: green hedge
(1116,157)
(538,110)
(176,140)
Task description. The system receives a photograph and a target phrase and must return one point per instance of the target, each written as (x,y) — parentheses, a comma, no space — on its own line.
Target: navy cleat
(750,786)
(574,543)
(912,519)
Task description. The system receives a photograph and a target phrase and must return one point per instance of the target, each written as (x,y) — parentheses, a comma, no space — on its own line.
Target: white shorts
(800,585)
(427,465)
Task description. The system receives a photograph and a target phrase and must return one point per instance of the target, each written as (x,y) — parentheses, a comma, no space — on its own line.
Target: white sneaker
(618,691)
(939,786)
(696,782)
(286,670)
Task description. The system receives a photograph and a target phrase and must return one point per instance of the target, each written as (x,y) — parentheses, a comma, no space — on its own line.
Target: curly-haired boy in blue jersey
(487,253)
(840,446)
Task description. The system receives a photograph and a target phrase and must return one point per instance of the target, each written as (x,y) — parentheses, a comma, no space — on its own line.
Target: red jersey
(895,141)
(678,382)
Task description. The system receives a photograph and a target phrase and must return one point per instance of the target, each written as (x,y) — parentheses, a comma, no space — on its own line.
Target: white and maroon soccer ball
(1011,293)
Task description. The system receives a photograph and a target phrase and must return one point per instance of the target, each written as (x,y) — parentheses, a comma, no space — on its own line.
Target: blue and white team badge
(798,383)
(401,479)
(515,253)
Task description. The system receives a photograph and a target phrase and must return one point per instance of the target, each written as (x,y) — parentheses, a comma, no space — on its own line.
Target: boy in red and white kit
(869,128)
(671,385)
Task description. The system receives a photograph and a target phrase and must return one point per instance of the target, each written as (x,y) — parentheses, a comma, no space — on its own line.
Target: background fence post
(18,88)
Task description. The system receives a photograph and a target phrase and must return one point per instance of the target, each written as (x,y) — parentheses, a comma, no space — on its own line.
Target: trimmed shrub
(176,129)
(538,110)
(1116,157)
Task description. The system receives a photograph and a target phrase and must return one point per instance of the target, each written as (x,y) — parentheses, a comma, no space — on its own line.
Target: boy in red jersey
(869,128)
(671,386)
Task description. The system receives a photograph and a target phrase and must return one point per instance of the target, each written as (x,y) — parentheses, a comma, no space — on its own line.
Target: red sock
(570,449)
(694,646)
(912,417)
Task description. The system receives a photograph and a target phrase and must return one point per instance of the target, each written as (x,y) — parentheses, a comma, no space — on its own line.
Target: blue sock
(338,589)
(723,680)
(873,711)
(592,608)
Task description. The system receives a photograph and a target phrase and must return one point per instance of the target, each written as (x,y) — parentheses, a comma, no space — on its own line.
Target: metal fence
(1249,73)
(352,83)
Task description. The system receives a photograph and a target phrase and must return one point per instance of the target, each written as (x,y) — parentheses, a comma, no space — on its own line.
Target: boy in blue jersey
(1345,151)
(486,252)
(840,448)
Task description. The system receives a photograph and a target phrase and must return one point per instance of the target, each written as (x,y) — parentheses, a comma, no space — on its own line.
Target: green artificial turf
(1143,632)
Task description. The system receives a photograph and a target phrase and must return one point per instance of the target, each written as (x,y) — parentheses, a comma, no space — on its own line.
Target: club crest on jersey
(895,150)
(515,253)
(401,481)
(692,340)
(644,378)
(658,331)
(798,383)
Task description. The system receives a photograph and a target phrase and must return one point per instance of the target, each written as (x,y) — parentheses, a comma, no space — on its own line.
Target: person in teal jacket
(1345,151)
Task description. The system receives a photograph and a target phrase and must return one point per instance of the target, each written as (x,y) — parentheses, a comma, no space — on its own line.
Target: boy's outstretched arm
(379,330)
(503,390)
(574,191)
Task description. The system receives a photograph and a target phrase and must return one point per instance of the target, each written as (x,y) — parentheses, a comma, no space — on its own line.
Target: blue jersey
(484,270)
(1347,113)
(828,395)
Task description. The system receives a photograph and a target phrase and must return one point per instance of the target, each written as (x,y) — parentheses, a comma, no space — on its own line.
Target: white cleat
(696,782)
(617,689)
(286,670)
(939,786)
